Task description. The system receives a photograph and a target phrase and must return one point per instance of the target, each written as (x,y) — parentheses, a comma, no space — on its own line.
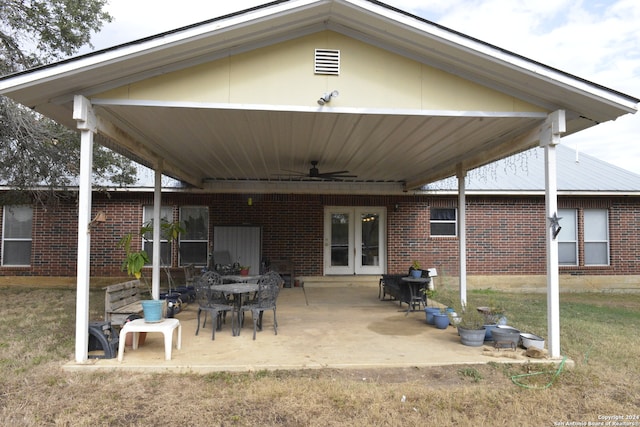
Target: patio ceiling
(216,144)
(219,147)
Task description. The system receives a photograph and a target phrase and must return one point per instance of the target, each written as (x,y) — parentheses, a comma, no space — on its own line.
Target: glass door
(354,240)
(370,242)
(338,241)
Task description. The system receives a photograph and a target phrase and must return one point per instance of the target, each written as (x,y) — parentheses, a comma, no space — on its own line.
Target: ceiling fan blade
(332,173)
(296,173)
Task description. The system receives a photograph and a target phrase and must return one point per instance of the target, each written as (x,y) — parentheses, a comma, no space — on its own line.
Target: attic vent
(327,62)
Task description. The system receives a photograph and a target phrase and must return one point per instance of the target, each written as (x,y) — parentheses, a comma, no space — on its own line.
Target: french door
(354,240)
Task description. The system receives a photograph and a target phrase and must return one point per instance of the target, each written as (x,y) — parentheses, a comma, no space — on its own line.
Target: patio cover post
(462,233)
(555,125)
(86,122)
(157,206)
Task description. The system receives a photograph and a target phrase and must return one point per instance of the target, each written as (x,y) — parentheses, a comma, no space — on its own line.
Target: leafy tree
(37,155)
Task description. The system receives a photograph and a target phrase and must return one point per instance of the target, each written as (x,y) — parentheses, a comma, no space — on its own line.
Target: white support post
(462,233)
(549,139)
(157,204)
(86,122)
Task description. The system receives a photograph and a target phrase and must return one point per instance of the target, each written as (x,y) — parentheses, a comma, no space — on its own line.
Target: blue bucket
(430,311)
(152,310)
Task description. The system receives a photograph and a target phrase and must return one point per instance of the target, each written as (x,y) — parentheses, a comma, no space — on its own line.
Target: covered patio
(329,324)
(213,105)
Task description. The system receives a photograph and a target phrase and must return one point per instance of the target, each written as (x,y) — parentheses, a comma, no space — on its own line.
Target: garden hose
(557,372)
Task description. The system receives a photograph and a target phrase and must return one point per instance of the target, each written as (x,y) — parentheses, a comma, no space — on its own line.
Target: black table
(417,295)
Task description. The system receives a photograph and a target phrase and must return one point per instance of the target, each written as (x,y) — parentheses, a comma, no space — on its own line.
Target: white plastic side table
(166,326)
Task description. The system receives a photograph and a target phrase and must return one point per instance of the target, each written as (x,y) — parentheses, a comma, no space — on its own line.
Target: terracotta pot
(128,341)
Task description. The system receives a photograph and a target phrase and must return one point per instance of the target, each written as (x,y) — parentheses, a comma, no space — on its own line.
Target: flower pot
(416,274)
(244,272)
(429,312)
(506,336)
(152,310)
(128,341)
(488,329)
(142,336)
(441,320)
(471,337)
(531,340)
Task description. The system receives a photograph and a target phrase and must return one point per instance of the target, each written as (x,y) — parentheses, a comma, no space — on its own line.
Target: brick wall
(505,235)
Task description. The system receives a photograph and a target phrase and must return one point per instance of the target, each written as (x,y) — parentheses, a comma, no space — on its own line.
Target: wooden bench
(122,300)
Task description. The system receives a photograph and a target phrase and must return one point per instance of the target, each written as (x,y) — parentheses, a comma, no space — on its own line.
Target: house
(320,121)
(505,216)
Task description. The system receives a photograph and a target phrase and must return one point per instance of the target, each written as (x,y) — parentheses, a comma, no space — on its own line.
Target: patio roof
(398,149)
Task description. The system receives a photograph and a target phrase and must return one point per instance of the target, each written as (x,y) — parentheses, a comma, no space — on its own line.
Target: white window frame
(594,235)
(448,221)
(7,209)
(205,240)
(565,237)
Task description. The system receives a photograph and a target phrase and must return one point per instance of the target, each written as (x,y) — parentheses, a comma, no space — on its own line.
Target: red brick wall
(505,235)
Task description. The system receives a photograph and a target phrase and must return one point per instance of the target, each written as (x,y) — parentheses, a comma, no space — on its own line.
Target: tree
(37,155)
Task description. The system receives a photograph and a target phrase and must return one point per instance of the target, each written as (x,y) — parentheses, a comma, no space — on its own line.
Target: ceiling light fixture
(327,97)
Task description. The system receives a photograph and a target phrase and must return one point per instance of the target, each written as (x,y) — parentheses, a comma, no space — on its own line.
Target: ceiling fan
(314,172)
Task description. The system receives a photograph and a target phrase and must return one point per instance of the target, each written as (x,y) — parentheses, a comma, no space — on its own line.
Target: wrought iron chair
(211,301)
(268,290)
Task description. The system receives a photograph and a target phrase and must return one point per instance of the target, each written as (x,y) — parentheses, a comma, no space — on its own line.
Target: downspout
(462,233)
(555,125)
(86,123)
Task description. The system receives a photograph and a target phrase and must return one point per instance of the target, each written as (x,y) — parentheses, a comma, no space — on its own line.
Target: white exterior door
(354,240)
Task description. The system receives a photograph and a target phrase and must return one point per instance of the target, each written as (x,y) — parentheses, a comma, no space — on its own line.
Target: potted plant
(244,270)
(415,270)
(470,323)
(134,260)
(494,316)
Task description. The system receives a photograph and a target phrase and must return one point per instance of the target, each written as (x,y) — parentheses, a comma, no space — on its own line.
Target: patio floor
(341,325)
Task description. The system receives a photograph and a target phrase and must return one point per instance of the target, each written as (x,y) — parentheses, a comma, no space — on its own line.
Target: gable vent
(327,61)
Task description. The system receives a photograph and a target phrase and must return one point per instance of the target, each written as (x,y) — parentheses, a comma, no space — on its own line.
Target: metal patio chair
(213,302)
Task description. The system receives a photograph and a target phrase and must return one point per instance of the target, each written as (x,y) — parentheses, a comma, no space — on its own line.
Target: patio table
(238,290)
(237,278)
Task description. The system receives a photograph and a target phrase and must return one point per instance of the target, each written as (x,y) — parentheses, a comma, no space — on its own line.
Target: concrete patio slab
(319,326)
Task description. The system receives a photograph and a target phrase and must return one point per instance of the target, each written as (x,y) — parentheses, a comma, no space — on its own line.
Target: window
(596,237)
(166,214)
(443,222)
(595,242)
(194,242)
(568,237)
(16,235)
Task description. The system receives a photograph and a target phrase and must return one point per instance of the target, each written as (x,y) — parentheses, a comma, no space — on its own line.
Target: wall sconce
(396,207)
(250,201)
(100,217)
(327,97)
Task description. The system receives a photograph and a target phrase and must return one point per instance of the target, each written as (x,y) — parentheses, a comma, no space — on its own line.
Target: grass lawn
(598,331)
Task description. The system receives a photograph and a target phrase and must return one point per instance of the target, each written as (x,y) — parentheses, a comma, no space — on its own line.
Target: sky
(597,40)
